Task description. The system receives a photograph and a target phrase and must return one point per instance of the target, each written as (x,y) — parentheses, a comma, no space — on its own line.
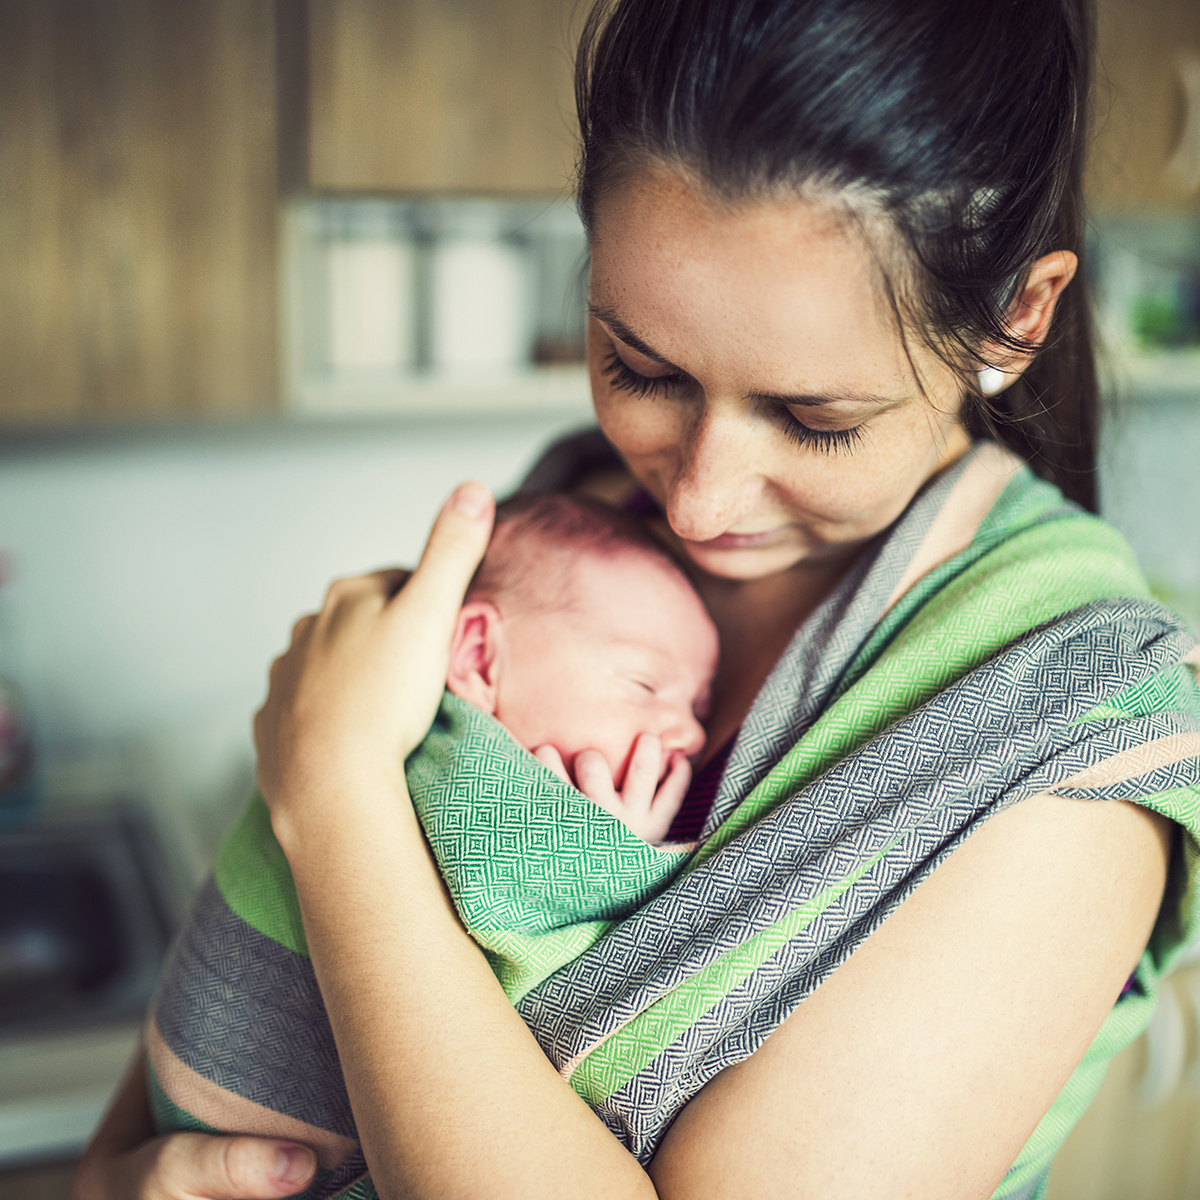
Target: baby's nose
(686,734)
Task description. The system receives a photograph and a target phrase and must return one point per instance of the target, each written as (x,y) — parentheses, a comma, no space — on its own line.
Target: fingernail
(293,1164)
(471,499)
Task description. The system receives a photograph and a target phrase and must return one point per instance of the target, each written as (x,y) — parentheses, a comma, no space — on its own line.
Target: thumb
(230,1168)
(456,545)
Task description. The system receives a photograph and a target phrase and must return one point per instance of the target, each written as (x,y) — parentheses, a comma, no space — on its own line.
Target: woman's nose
(716,483)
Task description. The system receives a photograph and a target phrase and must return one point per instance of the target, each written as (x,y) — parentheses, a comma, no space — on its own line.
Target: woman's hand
(360,683)
(196,1166)
(124,1161)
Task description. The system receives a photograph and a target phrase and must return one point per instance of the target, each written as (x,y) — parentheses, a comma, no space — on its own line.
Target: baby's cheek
(526,725)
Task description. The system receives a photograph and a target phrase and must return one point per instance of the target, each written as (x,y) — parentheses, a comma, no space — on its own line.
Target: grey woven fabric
(903,802)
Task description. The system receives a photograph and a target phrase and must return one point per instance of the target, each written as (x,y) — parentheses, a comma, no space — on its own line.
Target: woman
(834,242)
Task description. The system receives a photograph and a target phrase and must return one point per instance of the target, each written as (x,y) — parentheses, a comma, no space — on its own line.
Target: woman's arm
(919,1068)
(922,1066)
(451,1095)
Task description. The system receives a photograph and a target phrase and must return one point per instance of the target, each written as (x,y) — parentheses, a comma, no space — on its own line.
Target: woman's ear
(1030,317)
(475,655)
(1034,307)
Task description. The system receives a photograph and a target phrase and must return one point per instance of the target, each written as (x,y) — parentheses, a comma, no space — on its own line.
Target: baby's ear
(474,655)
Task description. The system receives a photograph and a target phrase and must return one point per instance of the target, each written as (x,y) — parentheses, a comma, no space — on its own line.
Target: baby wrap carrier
(995,644)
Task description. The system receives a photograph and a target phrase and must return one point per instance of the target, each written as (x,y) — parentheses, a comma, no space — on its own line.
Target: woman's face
(748,367)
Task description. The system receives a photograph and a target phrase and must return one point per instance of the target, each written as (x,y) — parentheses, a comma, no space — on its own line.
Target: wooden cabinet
(475,95)
(1146,144)
(143,144)
(441,95)
(137,209)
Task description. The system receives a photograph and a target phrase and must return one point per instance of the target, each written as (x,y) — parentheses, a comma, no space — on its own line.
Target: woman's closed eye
(827,441)
(624,378)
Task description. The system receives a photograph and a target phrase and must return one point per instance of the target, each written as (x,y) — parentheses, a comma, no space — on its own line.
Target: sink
(84,919)
(88,903)
(60,933)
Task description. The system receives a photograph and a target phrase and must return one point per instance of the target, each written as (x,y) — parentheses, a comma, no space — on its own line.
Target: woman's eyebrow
(811,400)
(631,339)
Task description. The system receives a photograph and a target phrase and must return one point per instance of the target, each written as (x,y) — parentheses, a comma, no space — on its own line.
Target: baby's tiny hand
(549,757)
(643,804)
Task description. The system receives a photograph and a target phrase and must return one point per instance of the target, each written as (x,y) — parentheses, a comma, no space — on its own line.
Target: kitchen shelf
(539,390)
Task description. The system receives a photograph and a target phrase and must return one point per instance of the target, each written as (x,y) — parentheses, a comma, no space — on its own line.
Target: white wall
(1150,489)
(158,573)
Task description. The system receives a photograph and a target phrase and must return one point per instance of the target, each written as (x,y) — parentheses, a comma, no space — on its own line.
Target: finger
(456,545)
(392,579)
(351,589)
(231,1168)
(548,756)
(672,790)
(349,601)
(301,629)
(594,780)
(643,773)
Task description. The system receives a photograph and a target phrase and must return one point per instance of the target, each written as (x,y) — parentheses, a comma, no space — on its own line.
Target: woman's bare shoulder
(922,1066)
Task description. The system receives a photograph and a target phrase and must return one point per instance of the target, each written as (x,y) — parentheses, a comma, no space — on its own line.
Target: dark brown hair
(964,124)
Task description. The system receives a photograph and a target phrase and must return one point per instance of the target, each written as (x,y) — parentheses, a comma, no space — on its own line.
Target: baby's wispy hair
(533,532)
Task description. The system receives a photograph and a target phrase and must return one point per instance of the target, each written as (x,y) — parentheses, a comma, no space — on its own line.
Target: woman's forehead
(766,280)
(663,215)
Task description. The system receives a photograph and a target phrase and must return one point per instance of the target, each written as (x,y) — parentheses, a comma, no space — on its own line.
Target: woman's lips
(738,541)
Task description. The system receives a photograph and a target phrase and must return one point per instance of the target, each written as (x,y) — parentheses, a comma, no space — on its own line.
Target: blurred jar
(479,291)
(18,782)
(371,270)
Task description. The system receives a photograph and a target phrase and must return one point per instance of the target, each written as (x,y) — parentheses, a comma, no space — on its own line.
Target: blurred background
(275,276)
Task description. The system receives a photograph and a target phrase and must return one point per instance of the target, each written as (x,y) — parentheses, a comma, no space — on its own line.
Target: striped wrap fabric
(997,643)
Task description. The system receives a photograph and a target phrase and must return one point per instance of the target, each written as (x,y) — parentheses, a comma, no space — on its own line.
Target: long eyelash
(622,376)
(827,441)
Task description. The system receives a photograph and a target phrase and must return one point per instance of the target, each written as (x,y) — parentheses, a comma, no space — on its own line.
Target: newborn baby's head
(580,632)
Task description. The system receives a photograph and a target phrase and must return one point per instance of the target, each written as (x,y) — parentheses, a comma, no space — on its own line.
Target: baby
(583,638)
(581,653)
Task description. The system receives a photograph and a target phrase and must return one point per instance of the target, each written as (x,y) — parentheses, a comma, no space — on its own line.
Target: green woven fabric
(539,874)
(537,871)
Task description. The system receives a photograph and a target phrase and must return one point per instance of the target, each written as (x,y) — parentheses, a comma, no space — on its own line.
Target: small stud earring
(991,381)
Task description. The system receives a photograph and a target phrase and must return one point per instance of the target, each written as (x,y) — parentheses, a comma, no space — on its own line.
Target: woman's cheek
(638,426)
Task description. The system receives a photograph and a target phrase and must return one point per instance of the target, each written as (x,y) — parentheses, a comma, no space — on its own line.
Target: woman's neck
(756,620)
